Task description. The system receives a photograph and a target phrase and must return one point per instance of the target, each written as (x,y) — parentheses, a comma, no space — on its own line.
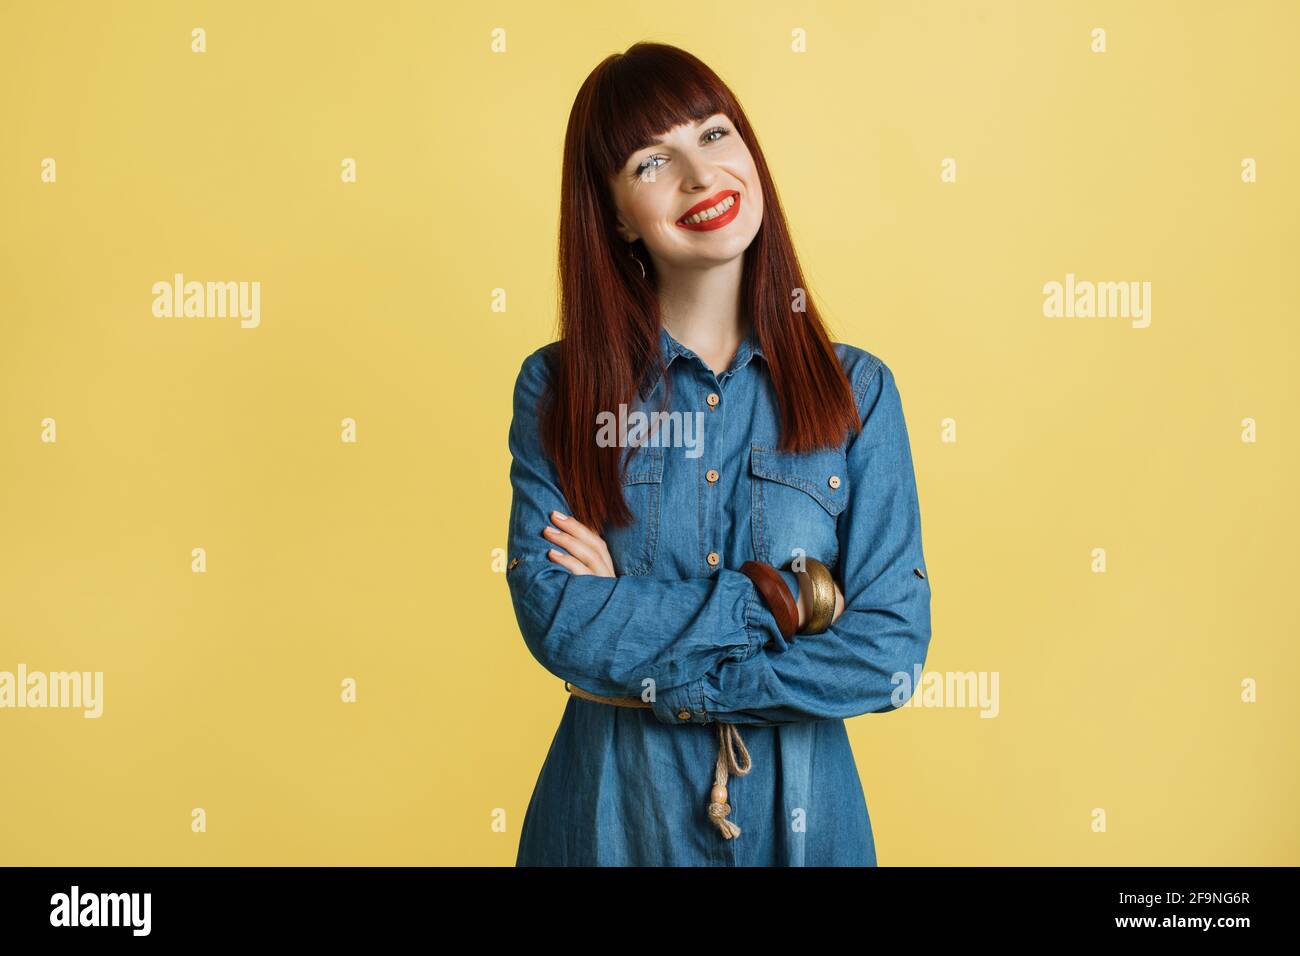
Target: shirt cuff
(683,704)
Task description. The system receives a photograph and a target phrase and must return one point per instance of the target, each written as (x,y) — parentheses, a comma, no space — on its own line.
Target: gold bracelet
(821,603)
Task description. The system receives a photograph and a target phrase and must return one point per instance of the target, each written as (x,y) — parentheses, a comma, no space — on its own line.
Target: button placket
(711,443)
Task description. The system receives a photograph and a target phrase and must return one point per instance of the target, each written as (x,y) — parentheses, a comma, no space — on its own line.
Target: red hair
(609,314)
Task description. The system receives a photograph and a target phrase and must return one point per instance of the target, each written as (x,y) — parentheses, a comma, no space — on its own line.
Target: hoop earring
(635,259)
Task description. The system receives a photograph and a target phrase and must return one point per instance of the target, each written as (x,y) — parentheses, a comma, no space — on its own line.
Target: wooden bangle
(821,597)
(776,593)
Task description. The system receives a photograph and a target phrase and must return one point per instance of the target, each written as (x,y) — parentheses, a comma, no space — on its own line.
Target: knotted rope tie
(729,741)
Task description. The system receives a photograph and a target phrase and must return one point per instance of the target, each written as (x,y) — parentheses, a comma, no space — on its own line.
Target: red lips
(717,222)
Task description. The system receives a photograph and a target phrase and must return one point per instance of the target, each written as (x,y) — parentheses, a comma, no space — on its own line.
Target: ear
(620,226)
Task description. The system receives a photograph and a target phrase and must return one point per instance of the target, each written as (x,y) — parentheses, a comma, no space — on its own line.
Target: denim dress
(681,628)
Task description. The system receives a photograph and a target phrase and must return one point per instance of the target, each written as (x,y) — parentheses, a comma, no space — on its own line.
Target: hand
(805,594)
(588,553)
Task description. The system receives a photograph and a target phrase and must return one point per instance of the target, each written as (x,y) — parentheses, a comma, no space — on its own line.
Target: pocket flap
(820,473)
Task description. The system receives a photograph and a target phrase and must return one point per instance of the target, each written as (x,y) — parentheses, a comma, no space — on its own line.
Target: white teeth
(712,212)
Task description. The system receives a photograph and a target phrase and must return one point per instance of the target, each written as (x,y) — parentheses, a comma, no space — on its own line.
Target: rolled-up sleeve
(867,660)
(615,636)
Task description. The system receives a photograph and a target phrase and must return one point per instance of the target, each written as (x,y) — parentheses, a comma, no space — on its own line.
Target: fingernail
(562,517)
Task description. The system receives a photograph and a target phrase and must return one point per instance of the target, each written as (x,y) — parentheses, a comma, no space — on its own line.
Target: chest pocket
(633,547)
(797,500)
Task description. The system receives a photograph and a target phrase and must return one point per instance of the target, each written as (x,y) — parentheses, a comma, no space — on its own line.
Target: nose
(699,176)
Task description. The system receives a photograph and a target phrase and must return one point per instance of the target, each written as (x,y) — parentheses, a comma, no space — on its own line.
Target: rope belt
(730,744)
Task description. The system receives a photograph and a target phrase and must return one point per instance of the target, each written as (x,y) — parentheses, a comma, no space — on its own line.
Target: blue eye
(646,164)
(640,170)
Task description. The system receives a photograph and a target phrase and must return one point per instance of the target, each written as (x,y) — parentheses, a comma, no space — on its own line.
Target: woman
(681,295)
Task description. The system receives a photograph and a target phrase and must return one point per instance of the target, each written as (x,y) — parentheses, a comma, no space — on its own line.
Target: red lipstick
(717,222)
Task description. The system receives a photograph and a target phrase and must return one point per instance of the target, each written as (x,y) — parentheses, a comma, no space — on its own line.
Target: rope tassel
(729,743)
(730,746)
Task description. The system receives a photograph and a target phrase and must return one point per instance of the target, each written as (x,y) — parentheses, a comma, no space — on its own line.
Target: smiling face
(693,196)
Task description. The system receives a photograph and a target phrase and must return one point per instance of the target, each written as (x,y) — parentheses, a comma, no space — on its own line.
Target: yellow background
(375,560)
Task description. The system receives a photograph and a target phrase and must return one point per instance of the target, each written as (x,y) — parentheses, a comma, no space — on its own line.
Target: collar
(670,349)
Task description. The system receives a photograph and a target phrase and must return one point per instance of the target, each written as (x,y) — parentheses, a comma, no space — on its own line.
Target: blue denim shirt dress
(630,787)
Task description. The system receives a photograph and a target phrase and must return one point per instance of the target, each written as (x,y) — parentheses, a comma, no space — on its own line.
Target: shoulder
(540,362)
(536,371)
(865,370)
(532,388)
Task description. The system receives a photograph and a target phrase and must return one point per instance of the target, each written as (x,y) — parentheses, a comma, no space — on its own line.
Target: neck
(701,309)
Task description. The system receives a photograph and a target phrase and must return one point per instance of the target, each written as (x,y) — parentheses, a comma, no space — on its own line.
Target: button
(712,399)
(513,562)
(711,475)
(833,481)
(713,559)
(683,714)
(917,572)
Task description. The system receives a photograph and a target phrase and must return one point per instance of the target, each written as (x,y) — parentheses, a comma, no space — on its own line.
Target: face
(696,168)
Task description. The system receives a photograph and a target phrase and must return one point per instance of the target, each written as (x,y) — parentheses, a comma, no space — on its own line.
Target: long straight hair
(609,313)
